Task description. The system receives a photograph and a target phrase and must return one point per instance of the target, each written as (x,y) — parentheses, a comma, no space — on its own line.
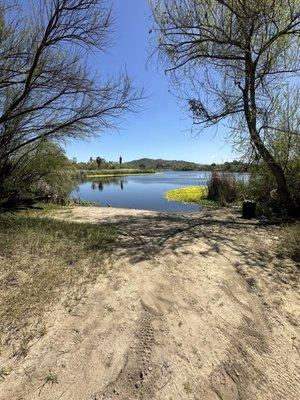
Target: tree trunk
(276,169)
(249,96)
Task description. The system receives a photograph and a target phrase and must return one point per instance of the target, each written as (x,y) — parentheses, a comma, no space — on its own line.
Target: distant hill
(149,163)
(180,165)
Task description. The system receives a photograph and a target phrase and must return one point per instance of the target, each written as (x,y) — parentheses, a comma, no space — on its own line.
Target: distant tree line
(100,163)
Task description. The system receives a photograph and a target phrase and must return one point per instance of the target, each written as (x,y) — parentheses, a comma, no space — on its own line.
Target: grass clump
(51,378)
(187,388)
(289,245)
(43,260)
(188,194)
(4,372)
(222,188)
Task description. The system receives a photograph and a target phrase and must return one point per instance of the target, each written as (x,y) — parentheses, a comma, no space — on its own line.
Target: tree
(236,55)
(43,172)
(47,88)
(99,161)
(283,145)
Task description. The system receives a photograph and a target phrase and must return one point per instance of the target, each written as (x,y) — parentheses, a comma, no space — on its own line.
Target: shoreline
(140,210)
(94,214)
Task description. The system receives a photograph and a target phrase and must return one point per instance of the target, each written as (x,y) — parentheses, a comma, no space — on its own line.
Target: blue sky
(162,129)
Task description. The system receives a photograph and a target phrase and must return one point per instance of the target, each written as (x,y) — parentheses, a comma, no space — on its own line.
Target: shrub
(55,187)
(262,188)
(222,188)
(42,172)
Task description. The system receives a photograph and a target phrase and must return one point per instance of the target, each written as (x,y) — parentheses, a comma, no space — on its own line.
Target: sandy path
(194,307)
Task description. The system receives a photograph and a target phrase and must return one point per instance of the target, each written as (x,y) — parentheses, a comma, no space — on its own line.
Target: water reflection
(99,184)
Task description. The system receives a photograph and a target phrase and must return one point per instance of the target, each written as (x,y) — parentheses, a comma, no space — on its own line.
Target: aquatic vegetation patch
(188,194)
(118,173)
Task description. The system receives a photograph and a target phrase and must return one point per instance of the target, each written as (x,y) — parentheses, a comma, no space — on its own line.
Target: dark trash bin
(249,209)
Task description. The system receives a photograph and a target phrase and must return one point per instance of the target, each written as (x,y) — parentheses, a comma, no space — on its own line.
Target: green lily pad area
(190,194)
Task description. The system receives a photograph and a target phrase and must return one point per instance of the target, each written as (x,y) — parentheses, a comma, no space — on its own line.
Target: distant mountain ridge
(181,165)
(162,164)
(159,164)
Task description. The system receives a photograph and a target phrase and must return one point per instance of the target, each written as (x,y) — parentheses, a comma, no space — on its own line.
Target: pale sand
(194,306)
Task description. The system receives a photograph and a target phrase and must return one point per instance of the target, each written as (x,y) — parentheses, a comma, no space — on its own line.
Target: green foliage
(44,171)
(233,166)
(97,164)
(284,146)
(262,187)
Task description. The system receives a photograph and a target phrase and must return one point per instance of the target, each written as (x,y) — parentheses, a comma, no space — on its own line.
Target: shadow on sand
(223,233)
(143,237)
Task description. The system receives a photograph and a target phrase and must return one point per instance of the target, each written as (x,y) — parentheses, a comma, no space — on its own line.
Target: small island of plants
(188,194)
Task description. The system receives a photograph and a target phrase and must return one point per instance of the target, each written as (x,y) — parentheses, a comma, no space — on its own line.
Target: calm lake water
(144,192)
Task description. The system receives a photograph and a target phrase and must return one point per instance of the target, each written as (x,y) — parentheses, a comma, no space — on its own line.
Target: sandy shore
(194,306)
